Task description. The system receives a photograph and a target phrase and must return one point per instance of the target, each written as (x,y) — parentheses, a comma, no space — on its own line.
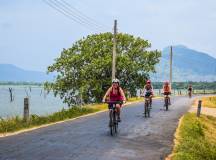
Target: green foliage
(184,85)
(196,139)
(85,68)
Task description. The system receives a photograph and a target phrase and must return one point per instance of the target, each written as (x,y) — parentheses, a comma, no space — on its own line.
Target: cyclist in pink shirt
(115,93)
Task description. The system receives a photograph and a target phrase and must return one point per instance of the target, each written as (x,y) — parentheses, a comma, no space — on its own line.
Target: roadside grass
(17,123)
(195,138)
(209,102)
(135,99)
(140,99)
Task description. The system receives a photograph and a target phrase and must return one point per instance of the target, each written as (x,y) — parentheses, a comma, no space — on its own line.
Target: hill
(9,72)
(188,65)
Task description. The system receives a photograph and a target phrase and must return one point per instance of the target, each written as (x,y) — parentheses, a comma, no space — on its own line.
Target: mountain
(188,65)
(9,72)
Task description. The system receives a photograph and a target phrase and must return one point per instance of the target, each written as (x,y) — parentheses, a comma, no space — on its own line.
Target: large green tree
(85,68)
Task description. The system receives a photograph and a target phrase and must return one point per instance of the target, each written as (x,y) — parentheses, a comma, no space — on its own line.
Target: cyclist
(190,89)
(148,91)
(115,93)
(167,90)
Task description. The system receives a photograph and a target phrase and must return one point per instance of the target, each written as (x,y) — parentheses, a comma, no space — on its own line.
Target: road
(88,138)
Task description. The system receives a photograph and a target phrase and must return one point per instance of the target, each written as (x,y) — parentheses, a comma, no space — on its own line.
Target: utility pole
(114,50)
(171,56)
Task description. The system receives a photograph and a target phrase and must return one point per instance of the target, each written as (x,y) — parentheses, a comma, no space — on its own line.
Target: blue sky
(32,34)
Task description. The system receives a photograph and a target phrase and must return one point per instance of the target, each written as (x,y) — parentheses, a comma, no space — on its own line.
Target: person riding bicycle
(190,89)
(167,90)
(148,91)
(115,93)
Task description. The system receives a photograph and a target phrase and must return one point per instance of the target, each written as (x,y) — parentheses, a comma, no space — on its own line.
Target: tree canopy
(84,70)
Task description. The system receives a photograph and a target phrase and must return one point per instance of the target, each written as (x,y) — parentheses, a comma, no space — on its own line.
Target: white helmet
(115,81)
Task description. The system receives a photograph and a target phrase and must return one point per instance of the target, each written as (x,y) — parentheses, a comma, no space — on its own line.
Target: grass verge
(16,123)
(195,138)
(209,102)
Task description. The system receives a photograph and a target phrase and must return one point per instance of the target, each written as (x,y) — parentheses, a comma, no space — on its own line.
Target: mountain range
(9,72)
(188,65)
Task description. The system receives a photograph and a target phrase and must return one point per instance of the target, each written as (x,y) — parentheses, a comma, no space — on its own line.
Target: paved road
(88,138)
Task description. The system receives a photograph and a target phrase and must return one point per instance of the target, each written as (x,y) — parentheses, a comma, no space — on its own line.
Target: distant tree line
(21,83)
(157,85)
(184,85)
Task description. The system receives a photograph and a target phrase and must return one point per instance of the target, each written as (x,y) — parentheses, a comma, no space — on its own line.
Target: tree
(84,70)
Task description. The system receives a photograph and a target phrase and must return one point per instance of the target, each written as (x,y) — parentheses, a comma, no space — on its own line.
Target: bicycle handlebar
(114,102)
(166,95)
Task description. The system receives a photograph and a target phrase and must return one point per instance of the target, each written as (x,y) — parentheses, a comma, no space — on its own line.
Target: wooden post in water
(199,108)
(26,109)
(11,94)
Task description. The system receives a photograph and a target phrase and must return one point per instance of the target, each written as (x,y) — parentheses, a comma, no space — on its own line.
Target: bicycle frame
(190,94)
(147,106)
(113,117)
(166,101)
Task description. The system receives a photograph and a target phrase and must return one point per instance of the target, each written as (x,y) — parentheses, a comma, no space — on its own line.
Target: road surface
(88,138)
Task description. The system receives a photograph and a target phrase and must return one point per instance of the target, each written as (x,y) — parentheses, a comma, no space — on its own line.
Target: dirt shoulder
(208,105)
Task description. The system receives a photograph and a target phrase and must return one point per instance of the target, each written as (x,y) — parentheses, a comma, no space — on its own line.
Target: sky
(33,34)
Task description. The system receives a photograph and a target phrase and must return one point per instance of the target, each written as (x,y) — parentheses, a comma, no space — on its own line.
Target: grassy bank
(209,102)
(195,138)
(17,123)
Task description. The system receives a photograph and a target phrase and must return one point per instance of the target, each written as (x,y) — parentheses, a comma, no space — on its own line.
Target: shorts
(110,106)
(167,93)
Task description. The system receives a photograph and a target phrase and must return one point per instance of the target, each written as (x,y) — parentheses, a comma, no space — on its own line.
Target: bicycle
(113,123)
(190,94)
(166,101)
(147,106)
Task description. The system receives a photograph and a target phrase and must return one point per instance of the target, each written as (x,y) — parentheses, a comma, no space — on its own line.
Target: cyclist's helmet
(115,81)
(148,81)
(166,82)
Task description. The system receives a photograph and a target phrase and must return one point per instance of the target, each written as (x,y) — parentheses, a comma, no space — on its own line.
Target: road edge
(169,157)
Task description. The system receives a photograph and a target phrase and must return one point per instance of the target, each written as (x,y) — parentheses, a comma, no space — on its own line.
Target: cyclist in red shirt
(115,93)
(167,90)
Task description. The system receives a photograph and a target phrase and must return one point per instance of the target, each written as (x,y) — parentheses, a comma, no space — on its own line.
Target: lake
(40,102)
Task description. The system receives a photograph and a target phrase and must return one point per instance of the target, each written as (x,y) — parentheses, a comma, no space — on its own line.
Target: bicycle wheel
(115,123)
(166,104)
(111,123)
(148,109)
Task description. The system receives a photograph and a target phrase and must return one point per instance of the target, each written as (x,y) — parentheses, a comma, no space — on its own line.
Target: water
(40,102)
